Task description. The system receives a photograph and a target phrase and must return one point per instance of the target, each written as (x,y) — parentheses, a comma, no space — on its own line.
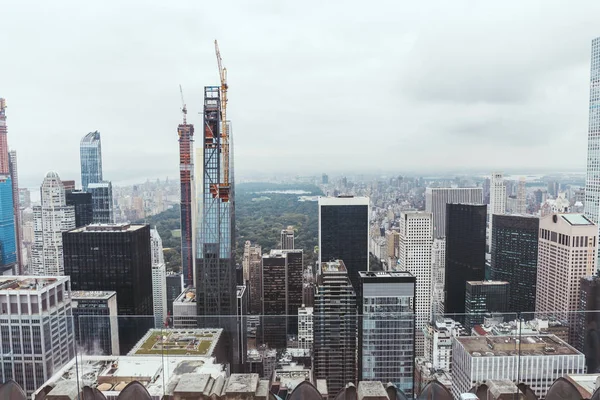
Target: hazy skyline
(314,86)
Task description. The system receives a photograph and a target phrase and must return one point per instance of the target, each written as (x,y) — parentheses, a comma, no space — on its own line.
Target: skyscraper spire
(4,166)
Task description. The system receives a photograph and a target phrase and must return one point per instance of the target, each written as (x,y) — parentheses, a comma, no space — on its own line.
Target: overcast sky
(317,86)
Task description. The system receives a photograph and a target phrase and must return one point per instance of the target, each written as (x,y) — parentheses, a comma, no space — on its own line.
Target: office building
(240,342)
(216,285)
(115,257)
(159,295)
(252,271)
(567,251)
(50,220)
(534,360)
(588,322)
(344,233)
(465,252)
(295,280)
(287,238)
(69,185)
(185,132)
(485,298)
(14,177)
(184,310)
(156,247)
(96,322)
(102,202)
(438,342)
(174,289)
(335,327)
(8,242)
(438,277)
(437,198)
(90,149)
(386,329)
(36,331)
(275,299)
(497,195)
(83,205)
(414,256)
(305,327)
(592,181)
(521,197)
(514,258)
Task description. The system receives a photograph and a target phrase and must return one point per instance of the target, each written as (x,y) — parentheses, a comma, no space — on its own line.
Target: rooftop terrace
(183,342)
(533,345)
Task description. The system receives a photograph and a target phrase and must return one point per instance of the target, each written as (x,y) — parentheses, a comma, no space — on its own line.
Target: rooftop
(182,342)
(385,274)
(343,201)
(529,345)
(92,295)
(123,227)
(187,296)
(576,219)
(484,283)
(333,266)
(24,282)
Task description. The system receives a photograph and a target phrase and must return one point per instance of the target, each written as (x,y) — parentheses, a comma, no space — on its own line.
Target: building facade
(514,258)
(305,327)
(465,252)
(567,251)
(90,150)
(116,258)
(252,271)
(335,327)
(438,342)
(174,289)
(159,295)
(483,298)
(344,233)
(36,331)
(437,198)
(438,277)
(592,182)
(185,132)
(8,232)
(287,238)
(96,321)
(83,205)
(414,256)
(102,202)
(386,329)
(588,322)
(50,220)
(14,177)
(184,309)
(275,300)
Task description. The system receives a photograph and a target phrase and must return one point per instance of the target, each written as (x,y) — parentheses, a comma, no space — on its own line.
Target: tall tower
(416,239)
(215,268)
(437,198)
(287,238)
(4,160)
(9,209)
(51,219)
(90,150)
(592,182)
(186,178)
(14,176)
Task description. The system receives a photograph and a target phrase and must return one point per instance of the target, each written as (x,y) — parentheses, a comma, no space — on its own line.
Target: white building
(437,198)
(184,310)
(521,197)
(305,327)
(438,277)
(567,248)
(50,220)
(159,280)
(36,330)
(592,182)
(438,342)
(497,202)
(414,256)
(536,361)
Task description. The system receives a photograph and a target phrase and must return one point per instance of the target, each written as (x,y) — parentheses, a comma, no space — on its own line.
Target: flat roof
(25,282)
(92,295)
(187,296)
(178,342)
(385,274)
(524,345)
(124,227)
(483,283)
(576,219)
(333,266)
(343,201)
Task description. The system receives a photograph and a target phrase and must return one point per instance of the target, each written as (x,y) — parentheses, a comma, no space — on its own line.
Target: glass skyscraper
(8,246)
(592,183)
(91,159)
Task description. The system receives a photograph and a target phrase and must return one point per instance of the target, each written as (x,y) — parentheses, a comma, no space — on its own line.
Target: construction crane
(222,189)
(183,106)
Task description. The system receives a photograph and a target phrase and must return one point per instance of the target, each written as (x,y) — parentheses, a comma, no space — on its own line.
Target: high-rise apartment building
(305,327)
(118,258)
(185,132)
(437,198)
(14,176)
(159,294)
(51,219)
(521,197)
(438,342)
(102,202)
(9,209)
(344,233)
(588,322)
(156,247)
(414,256)
(90,149)
(96,321)
(275,300)
(592,182)
(497,194)
(216,286)
(483,298)
(386,329)
(335,327)
(287,238)
(465,252)
(252,273)
(83,205)
(567,251)
(438,277)
(514,258)
(36,330)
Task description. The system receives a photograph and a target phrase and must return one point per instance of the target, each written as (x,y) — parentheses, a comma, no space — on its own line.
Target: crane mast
(222,191)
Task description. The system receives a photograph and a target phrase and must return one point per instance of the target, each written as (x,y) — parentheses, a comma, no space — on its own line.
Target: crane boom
(224,127)
(183,106)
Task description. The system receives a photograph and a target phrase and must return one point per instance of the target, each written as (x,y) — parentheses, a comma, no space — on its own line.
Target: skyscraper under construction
(186,178)
(215,266)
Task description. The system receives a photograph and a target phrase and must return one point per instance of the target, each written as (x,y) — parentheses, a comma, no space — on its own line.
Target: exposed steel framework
(222,189)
